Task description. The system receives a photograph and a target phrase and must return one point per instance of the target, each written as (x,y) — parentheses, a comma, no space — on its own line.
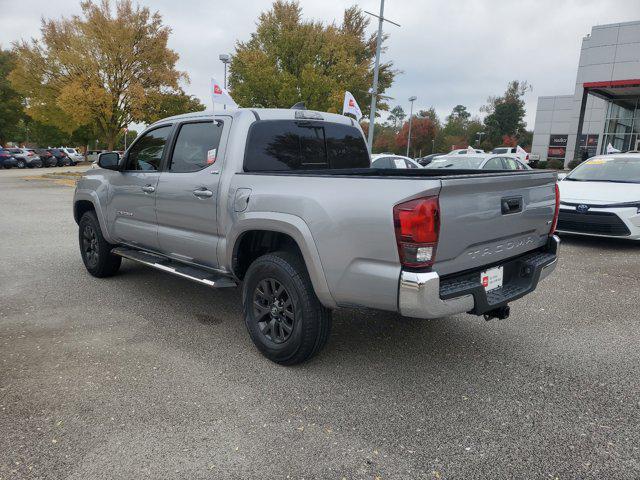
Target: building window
(622,125)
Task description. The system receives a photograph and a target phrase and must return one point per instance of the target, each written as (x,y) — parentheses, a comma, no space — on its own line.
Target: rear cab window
(286,145)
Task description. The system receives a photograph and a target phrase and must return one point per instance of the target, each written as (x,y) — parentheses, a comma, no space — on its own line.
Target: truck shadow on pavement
(359,336)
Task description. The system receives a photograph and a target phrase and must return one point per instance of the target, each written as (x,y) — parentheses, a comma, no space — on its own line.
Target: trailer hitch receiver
(501,313)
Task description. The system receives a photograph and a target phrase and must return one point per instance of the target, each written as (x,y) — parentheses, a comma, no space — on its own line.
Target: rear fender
(290,225)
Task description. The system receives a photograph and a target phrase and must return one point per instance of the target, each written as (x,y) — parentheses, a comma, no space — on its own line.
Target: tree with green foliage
(454,132)
(473,128)
(289,60)
(505,114)
(396,117)
(11,102)
(166,104)
(104,69)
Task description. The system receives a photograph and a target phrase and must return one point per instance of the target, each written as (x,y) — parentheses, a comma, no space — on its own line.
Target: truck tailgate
(486,219)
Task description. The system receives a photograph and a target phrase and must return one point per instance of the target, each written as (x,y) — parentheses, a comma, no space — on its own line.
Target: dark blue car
(6,159)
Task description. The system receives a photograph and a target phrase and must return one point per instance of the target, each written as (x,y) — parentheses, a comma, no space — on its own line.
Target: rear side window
(281,145)
(494,164)
(196,147)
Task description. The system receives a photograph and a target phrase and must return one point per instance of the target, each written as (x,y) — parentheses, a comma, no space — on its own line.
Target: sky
(449,51)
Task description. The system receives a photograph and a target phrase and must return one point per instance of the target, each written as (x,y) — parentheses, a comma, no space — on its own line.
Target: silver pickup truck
(285,203)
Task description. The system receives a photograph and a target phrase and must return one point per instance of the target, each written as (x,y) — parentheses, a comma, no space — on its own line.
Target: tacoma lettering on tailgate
(502,247)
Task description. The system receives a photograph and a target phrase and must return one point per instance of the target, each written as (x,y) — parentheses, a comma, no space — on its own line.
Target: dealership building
(605,105)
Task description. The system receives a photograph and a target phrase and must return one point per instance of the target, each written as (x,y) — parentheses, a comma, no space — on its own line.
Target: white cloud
(450,52)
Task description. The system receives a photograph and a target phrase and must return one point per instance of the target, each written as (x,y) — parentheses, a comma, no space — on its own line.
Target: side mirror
(109,161)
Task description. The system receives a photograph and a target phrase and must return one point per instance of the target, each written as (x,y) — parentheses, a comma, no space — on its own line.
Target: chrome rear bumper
(420,297)
(419,294)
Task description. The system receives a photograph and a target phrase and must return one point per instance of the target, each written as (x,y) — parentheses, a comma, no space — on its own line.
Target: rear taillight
(527,158)
(556,213)
(417,225)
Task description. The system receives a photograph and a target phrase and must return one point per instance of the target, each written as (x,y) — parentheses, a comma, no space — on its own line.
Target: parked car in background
(424,161)
(92,155)
(74,156)
(48,160)
(384,160)
(62,159)
(520,153)
(463,151)
(486,161)
(25,158)
(601,197)
(6,159)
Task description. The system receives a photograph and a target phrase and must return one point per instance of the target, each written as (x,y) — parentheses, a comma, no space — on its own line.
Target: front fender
(290,225)
(91,195)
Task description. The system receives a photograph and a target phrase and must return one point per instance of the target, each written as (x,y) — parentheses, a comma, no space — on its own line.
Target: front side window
(146,153)
(196,147)
(281,145)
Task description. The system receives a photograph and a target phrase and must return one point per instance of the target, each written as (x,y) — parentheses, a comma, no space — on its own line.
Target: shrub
(574,163)
(555,164)
(541,164)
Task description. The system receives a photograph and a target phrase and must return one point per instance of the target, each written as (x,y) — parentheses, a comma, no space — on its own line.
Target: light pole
(412,99)
(433,145)
(376,69)
(226,59)
(479,137)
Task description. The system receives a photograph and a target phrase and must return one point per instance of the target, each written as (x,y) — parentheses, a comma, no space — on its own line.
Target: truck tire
(285,319)
(95,250)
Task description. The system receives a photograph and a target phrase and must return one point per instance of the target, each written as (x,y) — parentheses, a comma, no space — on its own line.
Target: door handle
(148,189)
(203,193)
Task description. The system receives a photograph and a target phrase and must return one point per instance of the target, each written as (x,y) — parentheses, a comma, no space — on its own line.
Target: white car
(522,155)
(73,155)
(484,161)
(387,160)
(601,197)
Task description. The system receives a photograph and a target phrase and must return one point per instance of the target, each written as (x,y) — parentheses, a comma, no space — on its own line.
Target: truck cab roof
(263,114)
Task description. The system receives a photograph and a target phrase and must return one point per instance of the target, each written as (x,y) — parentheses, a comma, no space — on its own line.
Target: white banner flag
(351,106)
(471,150)
(611,149)
(220,95)
(521,150)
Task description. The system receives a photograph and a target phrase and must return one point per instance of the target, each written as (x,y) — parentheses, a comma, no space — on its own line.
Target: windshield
(71,151)
(466,162)
(609,169)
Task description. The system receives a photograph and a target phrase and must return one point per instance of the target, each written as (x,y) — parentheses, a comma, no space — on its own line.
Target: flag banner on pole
(351,106)
(220,95)
(611,149)
(521,150)
(471,150)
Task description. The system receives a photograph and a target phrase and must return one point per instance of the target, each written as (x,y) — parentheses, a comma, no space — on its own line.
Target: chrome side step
(165,264)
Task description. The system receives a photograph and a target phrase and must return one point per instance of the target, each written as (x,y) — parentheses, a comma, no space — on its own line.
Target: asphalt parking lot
(146,375)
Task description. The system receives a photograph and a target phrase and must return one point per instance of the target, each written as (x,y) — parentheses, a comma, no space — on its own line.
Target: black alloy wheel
(90,246)
(273,310)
